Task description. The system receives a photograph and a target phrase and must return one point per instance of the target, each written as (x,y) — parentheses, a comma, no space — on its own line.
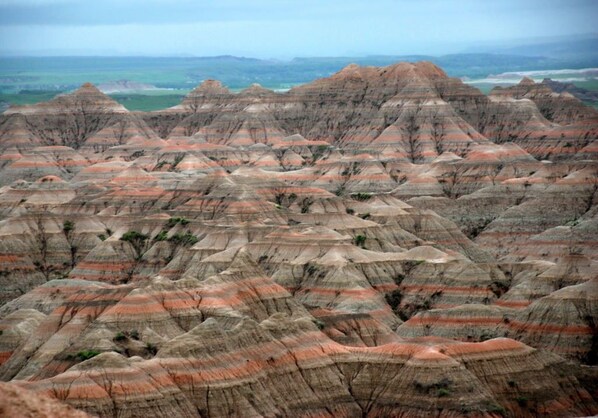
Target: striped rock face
(382,242)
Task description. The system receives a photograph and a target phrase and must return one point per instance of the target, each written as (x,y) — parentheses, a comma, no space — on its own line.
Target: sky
(281,28)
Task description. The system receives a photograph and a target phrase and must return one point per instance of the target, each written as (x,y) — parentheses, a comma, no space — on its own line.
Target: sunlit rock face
(382,242)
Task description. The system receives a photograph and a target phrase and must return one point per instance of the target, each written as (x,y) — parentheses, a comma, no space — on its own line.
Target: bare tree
(40,254)
(67,228)
(120,130)
(193,102)
(451,180)
(492,171)
(414,146)
(77,121)
(438,134)
(83,122)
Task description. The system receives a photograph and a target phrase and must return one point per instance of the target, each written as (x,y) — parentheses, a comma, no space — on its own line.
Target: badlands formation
(382,242)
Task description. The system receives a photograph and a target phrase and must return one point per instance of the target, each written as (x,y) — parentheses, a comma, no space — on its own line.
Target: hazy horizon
(283,29)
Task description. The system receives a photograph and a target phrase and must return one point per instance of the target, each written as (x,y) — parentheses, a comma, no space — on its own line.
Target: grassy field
(134,101)
(27,97)
(147,102)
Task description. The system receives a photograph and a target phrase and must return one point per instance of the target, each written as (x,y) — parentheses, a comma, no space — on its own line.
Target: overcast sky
(281,28)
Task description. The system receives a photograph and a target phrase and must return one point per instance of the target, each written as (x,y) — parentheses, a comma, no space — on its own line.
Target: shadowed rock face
(382,242)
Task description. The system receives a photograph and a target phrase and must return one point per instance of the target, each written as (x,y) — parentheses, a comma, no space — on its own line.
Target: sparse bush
(87,354)
(161,236)
(364,215)
(496,408)
(360,240)
(120,336)
(68,226)
(320,324)
(442,392)
(176,220)
(350,211)
(183,239)
(134,334)
(361,196)
(133,236)
(176,161)
(151,348)
(521,400)
(102,237)
(394,298)
(305,204)
(136,239)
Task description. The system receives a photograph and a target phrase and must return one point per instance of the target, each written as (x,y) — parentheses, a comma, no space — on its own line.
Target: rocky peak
(256,90)
(88,88)
(526,81)
(210,87)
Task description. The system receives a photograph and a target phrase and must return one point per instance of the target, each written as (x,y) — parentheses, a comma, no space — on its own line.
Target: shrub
(68,226)
(442,392)
(350,211)
(120,336)
(364,216)
(102,237)
(176,220)
(151,348)
(394,298)
(521,400)
(134,334)
(161,236)
(360,240)
(361,196)
(136,239)
(133,236)
(176,161)
(496,408)
(320,324)
(305,204)
(183,239)
(87,354)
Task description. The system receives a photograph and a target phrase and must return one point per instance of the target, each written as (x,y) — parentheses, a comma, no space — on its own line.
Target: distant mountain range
(65,73)
(579,47)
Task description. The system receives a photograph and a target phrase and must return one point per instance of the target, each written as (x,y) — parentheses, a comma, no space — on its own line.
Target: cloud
(87,13)
(283,27)
(427,12)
